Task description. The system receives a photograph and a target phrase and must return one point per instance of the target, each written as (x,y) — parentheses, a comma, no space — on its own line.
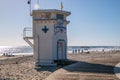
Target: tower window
(60,16)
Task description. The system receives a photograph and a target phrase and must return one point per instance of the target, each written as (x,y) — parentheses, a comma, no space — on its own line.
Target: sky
(92,22)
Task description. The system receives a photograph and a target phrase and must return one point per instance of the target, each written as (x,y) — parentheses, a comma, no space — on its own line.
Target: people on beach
(82,51)
(78,50)
(7,53)
(75,50)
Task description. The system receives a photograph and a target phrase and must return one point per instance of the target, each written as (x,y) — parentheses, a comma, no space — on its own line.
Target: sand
(22,67)
(93,66)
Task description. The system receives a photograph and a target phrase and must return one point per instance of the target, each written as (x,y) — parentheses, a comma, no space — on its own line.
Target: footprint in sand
(117,70)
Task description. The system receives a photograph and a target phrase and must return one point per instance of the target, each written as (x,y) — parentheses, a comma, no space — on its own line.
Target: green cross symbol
(45,29)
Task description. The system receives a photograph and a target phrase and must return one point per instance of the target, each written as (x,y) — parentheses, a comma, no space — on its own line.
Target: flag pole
(62,6)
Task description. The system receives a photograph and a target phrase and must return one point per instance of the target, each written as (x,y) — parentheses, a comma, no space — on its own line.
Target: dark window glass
(60,16)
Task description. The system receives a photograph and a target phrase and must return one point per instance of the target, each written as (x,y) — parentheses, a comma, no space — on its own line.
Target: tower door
(61,50)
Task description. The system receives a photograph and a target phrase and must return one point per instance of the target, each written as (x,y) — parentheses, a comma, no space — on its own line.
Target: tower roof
(53,10)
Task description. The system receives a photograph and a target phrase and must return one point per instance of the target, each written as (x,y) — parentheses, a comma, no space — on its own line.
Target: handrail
(27,32)
(28,35)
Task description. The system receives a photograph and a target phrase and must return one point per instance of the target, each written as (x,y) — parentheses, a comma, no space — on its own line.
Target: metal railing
(27,32)
(28,35)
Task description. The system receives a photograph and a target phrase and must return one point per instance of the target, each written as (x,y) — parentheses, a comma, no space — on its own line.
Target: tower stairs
(28,36)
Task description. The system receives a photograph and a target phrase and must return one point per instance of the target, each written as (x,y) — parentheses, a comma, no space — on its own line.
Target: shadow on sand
(80,66)
(46,68)
(60,64)
(92,68)
(6,79)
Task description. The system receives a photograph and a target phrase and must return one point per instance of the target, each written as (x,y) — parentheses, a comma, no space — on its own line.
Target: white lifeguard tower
(49,36)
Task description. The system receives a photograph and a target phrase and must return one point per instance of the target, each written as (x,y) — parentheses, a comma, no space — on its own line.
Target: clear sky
(92,22)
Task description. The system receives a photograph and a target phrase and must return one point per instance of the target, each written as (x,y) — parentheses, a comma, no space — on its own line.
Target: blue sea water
(18,50)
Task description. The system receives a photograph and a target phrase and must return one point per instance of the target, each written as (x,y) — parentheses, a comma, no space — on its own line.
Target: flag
(62,6)
(29,1)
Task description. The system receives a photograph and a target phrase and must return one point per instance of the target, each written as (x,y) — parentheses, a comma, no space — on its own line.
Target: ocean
(72,49)
(16,50)
(27,50)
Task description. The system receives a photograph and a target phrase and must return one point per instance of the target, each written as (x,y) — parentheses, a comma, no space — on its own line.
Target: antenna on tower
(29,2)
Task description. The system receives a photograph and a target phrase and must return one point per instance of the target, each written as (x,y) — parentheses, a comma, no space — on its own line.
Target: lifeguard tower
(49,36)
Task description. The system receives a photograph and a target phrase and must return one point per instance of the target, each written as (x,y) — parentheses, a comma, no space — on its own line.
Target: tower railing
(28,35)
(27,32)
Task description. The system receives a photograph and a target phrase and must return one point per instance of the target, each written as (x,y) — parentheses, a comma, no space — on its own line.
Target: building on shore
(49,36)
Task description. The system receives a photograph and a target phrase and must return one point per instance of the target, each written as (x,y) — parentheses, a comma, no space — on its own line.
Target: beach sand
(93,66)
(22,67)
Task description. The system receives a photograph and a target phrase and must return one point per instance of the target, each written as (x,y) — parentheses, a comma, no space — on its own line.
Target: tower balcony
(28,35)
